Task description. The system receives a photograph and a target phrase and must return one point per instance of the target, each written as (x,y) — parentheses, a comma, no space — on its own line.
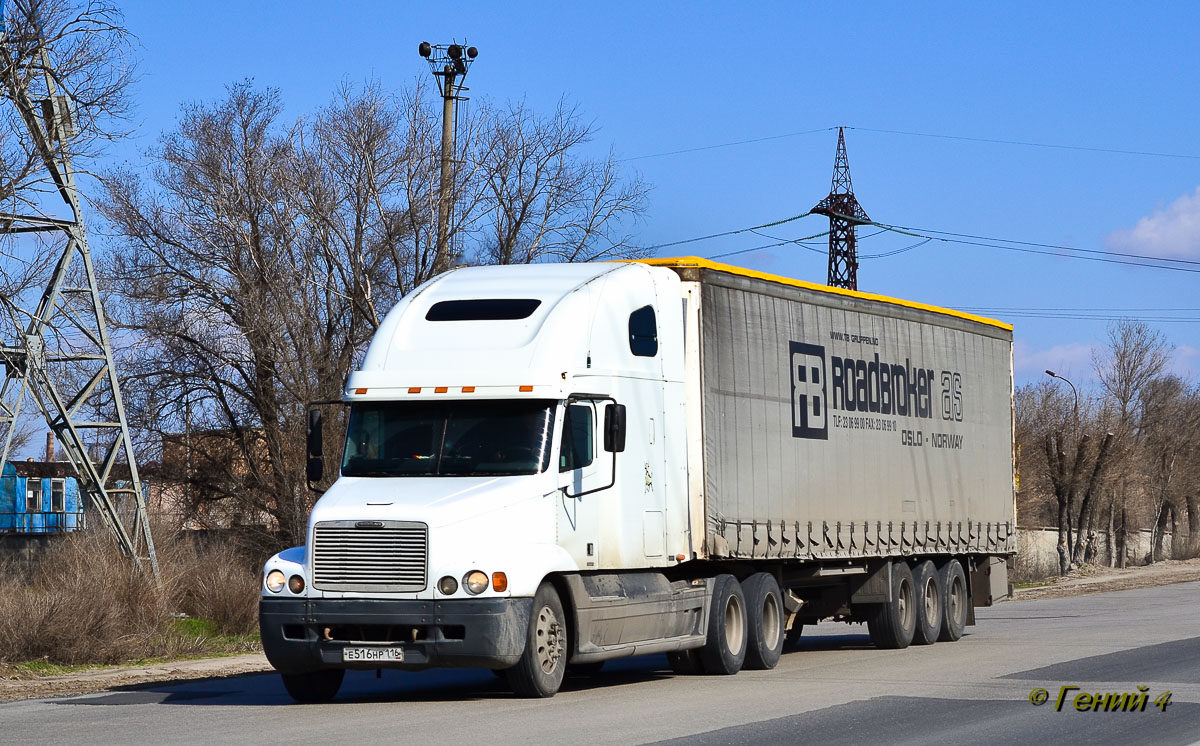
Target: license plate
(370,655)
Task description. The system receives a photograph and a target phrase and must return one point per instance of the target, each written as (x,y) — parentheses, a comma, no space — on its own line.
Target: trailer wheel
(954,588)
(686,662)
(315,686)
(892,624)
(765,621)
(725,649)
(540,670)
(929,604)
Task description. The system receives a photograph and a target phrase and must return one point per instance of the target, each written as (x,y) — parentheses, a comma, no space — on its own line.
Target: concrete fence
(1037,550)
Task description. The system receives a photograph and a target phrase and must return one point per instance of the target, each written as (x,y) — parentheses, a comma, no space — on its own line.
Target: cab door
(584,478)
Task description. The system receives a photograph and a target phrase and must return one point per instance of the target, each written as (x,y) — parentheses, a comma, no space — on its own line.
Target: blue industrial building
(39,497)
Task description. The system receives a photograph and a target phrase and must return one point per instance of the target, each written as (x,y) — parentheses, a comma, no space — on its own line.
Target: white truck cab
(509,424)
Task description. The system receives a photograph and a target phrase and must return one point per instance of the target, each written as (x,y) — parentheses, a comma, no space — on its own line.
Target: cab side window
(576,451)
(643,332)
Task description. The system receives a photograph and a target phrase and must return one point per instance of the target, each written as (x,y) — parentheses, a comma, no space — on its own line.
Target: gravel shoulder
(18,685)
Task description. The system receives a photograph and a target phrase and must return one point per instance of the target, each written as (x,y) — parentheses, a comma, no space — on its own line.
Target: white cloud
(1073,360)
(1172,232)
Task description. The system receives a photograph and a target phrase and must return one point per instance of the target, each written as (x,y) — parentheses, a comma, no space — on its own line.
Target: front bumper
(302,634)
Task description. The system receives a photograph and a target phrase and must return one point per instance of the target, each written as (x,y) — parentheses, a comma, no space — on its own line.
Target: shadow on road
(437,685)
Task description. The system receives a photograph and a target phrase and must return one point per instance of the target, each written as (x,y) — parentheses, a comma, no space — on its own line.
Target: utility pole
(63,359)
(845,215)
(449,64)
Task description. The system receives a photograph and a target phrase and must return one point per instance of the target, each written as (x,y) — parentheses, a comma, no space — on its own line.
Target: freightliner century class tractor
(549,466)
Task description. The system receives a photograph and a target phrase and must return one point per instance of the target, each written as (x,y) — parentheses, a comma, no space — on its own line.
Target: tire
(540,670)
(686,662)
(315,686)
(956,600)
(892,624)
(929,602)
(724,650)
(765,620)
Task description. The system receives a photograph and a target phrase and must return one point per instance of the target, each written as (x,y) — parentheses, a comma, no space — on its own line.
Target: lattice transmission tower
(62,358)
(845,215)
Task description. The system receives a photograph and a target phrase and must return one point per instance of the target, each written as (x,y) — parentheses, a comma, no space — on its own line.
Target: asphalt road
(835,689)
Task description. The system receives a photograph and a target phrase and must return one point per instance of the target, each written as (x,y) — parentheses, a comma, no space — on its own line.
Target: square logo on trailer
(809,417)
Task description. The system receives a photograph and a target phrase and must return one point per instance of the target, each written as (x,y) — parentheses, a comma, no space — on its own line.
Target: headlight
(296,584)
(275,581)
(475,581)
(447,586)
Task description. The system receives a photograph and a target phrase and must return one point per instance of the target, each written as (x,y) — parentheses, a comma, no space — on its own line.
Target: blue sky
(662,77)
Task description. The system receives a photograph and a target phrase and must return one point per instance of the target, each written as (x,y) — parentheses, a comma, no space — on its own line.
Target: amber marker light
(439,390)
(468,389)
(526,388)
(499,582)
(360,391)
(414,389)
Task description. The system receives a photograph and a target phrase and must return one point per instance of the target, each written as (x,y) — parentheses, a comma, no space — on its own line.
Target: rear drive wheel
(315,686)
(725,649)
(764,621)
(893,623)
(929,603)
(954,608)
(539,672)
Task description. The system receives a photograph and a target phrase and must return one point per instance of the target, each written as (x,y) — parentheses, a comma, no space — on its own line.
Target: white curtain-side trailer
(549,466)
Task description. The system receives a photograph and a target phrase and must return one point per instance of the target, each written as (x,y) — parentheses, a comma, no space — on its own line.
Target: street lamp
(449,63)
(1052,374)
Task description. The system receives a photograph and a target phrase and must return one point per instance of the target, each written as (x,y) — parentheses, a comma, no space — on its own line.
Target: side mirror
(316,450)
(614,428)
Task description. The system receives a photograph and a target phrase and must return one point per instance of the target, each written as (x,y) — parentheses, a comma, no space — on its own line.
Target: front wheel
(315,686)
(540,671)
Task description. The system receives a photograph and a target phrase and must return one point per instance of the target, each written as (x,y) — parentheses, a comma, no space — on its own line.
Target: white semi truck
(552,465)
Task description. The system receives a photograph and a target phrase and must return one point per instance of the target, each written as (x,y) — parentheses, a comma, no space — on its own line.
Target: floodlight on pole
(449,64)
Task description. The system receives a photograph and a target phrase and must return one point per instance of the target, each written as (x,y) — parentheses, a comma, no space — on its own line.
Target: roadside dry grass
(84,604)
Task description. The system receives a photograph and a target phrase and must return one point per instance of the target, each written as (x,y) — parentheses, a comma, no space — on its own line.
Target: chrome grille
(388,556)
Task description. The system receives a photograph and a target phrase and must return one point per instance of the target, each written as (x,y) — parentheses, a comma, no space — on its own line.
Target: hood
(437,501)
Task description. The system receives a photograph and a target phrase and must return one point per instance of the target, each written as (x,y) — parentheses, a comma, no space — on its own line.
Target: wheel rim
(904,605)
(772,621)
(931,603)
(958,600)
(734,625)
(549,639)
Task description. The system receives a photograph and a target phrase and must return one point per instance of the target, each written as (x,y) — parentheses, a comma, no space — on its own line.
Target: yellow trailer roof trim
(702,263)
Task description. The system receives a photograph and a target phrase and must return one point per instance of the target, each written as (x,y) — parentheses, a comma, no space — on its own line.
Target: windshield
(448,439)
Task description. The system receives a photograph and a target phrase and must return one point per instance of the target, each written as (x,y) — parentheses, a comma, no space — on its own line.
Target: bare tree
(254,264)
(541,201)
(234,298)
(85,48)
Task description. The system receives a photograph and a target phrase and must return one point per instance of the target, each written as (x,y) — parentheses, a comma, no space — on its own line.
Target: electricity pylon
(64,360)
(845,214)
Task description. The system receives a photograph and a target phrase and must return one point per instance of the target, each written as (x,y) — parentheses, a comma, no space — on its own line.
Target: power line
(1029,144)
(726,233)
(966,239)
(725,144)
